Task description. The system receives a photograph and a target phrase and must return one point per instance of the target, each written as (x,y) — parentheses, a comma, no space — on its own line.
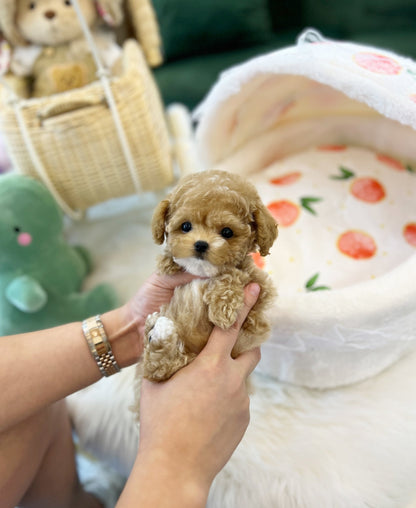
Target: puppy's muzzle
(200,248)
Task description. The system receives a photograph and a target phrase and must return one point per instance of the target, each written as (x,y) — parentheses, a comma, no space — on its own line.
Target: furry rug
(344,448)
(352,447)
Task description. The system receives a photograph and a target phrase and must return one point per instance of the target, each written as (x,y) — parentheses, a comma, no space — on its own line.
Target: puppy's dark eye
(32,5)
(68,3)
(186,227)
(227,233)
(17,229)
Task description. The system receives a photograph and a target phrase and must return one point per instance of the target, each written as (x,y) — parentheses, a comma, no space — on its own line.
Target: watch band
(94,333)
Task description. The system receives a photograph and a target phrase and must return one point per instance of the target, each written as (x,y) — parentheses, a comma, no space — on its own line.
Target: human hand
(125,325)
(156,291)
(191,424)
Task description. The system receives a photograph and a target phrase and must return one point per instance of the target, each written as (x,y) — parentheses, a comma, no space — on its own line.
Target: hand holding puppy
(183,444)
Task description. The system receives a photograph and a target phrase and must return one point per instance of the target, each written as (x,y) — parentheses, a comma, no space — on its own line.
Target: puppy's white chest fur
(199,267)
(190,297)
(187,308)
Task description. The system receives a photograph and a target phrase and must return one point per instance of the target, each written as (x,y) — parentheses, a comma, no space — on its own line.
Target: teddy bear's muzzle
(50,14)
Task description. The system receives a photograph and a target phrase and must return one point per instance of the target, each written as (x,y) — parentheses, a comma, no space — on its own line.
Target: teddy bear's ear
(266,228)
(159,221)
(111,11)
(8,23)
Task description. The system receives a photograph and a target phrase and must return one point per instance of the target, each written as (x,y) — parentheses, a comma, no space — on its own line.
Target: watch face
(100,345)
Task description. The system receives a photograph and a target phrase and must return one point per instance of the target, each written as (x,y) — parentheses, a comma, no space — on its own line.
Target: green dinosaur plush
(40,274)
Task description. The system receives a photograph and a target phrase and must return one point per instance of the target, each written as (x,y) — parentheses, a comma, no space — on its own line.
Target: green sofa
(203,38)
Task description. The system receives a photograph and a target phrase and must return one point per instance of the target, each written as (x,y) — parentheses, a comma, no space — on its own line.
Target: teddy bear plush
(48,43)
(40,274)
(209,225)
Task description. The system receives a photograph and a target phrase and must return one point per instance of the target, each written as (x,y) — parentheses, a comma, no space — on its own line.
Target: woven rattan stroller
(104,140)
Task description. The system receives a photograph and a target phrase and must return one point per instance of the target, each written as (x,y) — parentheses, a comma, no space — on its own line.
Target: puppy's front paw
(224,298)
(149,325)
(223,316)
(164,352)
(162,330)
(224,309)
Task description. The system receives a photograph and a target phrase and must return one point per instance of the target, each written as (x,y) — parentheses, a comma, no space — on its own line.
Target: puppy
(210,224)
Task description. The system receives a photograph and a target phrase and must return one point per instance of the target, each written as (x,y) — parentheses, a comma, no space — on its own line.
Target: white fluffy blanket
(343,448)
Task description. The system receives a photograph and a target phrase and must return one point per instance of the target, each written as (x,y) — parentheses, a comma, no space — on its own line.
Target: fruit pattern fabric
(345,215)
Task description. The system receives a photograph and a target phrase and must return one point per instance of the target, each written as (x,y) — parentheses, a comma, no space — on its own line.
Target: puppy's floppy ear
(159,220)
(266,228)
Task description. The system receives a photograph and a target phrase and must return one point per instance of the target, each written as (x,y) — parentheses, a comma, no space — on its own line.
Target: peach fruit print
(332,148)
(395,163)
(390,161)
(357,244)
(377,63)
(285,212)
(258,259)
(409,233)
(286,179)
(354,184)
(367,189)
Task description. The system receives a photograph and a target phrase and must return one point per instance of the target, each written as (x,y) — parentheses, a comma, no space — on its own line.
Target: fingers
(248,361)
(221,342)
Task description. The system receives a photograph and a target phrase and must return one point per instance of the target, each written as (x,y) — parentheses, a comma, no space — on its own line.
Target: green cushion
(191,27)
(355,16)
(188,80)
(286,15)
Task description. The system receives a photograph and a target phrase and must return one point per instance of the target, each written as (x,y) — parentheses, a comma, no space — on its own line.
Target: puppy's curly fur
(210,224)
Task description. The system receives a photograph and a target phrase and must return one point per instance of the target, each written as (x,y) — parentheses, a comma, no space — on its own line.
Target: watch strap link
(96,337)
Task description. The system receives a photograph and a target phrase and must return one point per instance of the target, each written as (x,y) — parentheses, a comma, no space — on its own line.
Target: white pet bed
(306,112)
(316,94)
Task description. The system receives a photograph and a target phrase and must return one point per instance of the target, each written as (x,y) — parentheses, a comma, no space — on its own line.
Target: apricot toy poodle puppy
(210,223)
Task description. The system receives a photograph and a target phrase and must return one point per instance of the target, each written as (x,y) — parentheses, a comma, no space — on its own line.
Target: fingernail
(254,289)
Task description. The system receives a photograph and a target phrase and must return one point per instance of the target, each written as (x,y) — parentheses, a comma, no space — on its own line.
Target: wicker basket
(72,142)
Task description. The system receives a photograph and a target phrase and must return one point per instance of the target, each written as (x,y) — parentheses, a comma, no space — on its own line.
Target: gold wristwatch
(94,333)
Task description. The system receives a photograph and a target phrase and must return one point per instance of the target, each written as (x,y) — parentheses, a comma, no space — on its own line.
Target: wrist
(123,335)
(174,485)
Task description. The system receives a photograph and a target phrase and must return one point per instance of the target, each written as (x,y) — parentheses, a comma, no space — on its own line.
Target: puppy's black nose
(50,14)
(200,246)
